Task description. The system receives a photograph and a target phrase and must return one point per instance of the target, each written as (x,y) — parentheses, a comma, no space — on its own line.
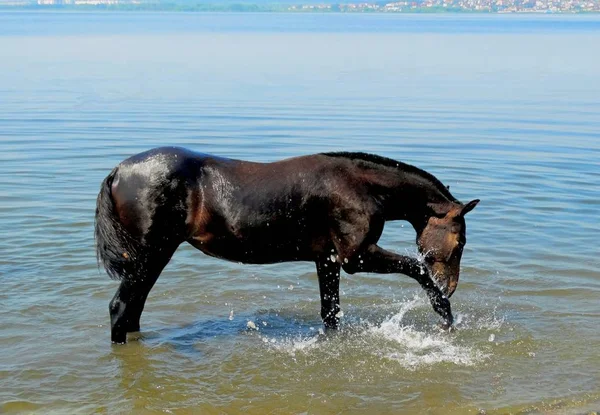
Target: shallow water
(501,108)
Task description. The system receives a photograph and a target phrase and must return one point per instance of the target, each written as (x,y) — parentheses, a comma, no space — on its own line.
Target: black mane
(388,162)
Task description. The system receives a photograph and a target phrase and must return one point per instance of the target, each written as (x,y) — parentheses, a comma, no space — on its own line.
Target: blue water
(501,108)
(68,23)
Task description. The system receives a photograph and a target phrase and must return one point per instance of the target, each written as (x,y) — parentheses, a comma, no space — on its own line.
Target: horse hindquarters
(134,242)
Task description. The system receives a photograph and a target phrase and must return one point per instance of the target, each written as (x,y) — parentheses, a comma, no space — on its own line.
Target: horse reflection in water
(327,208)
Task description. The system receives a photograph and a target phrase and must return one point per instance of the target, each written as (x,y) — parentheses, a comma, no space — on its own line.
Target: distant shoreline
(404,7)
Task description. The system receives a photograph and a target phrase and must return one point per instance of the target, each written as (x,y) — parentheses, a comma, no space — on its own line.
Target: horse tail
(116,248)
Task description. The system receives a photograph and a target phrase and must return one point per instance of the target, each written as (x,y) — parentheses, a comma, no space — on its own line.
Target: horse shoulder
(356,216)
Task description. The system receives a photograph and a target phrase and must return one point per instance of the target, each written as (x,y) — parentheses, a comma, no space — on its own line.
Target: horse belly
(267,249)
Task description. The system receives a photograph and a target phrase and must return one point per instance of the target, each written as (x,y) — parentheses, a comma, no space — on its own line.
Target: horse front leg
(378,260)
(328,272)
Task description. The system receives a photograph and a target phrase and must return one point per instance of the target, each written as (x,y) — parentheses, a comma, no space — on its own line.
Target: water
(501,108)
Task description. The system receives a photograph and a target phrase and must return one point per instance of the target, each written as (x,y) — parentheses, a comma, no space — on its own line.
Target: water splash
(292,345)
(406,341)
(412,347)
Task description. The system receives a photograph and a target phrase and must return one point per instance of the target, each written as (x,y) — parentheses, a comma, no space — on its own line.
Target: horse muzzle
(445,276)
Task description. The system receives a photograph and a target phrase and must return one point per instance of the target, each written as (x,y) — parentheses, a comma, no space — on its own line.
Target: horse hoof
(447,327)
(118,338)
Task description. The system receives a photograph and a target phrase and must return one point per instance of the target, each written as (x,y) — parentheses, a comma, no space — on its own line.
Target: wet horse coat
(327,208)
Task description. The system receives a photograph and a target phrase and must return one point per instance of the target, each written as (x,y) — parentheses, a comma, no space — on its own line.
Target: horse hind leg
(127,305)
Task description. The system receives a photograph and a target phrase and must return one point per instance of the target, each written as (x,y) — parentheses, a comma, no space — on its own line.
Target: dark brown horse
(328,208)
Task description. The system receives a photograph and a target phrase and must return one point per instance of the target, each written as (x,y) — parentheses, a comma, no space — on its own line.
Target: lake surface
(501,108)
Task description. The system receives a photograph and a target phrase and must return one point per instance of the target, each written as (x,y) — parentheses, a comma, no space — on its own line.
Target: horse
(327,208)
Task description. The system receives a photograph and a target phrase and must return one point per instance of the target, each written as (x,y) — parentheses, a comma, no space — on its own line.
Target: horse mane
(388,162)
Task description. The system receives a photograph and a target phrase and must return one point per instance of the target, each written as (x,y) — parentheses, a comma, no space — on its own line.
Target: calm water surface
(501,108)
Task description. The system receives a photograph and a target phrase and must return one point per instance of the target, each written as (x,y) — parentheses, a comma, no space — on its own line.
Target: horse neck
(409,196)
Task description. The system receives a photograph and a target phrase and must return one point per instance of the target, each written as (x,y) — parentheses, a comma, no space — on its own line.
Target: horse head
(441,242)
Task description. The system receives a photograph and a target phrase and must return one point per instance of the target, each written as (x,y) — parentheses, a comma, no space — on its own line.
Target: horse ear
(469,207)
